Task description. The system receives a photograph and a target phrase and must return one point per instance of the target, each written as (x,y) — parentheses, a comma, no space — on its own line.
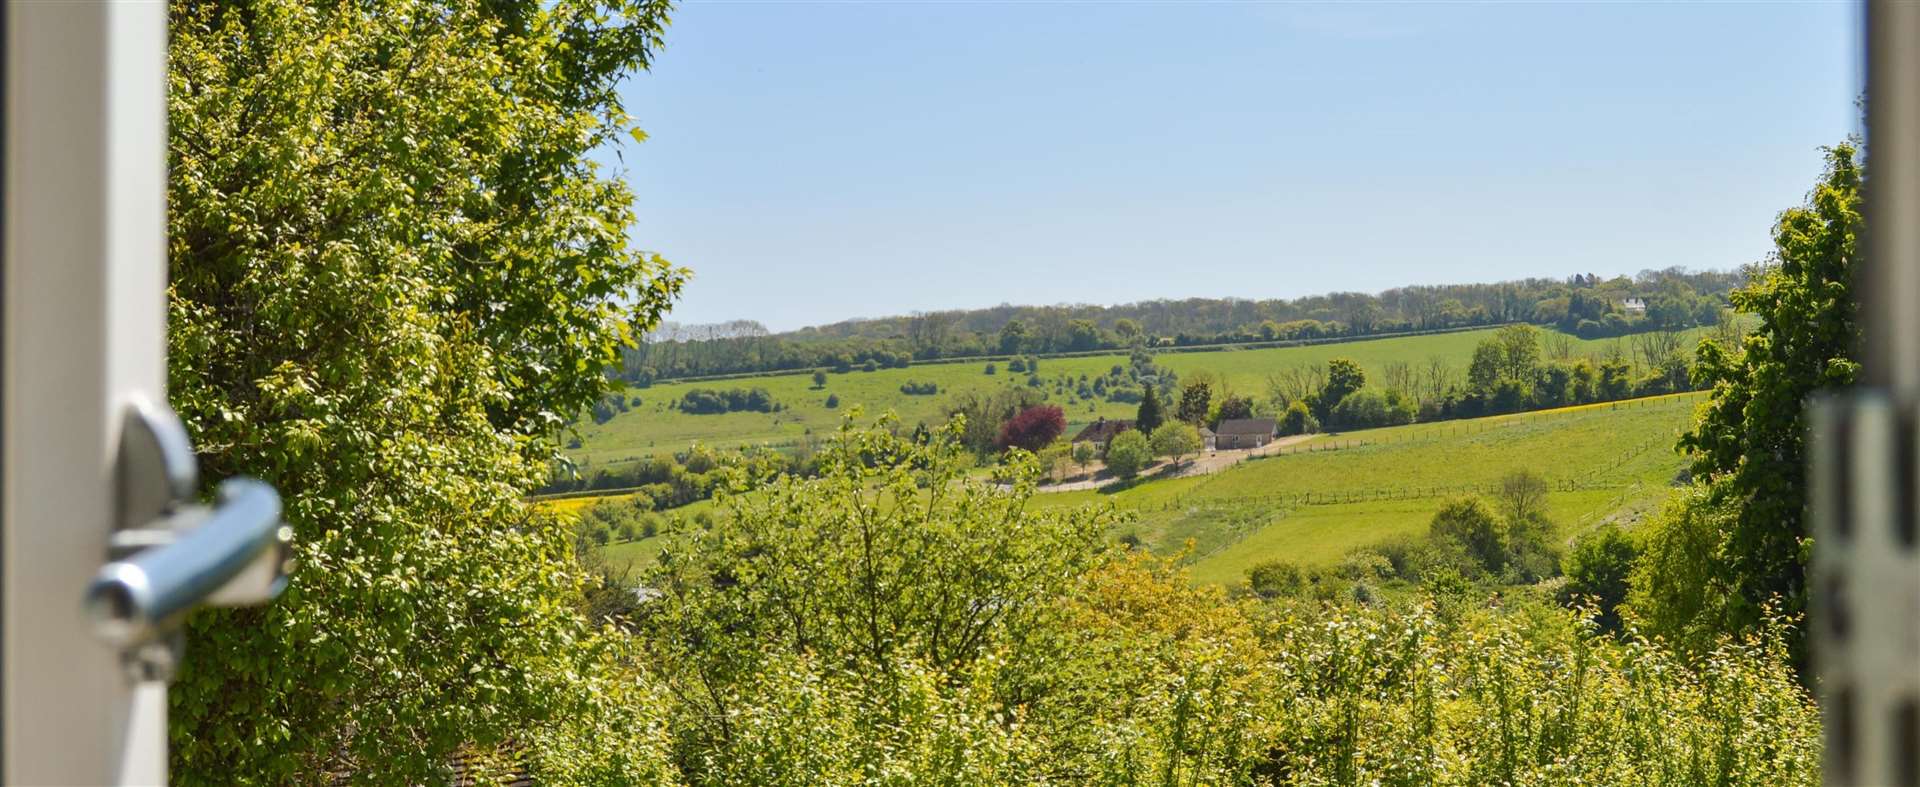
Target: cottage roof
(1242,426)
(1103,430)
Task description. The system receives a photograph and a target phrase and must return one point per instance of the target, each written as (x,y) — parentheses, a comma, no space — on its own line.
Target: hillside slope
(658,426)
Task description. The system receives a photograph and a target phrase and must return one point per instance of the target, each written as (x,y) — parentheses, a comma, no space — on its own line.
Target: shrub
(1468,523)
(1372,407)
(912,388)
(1275,578)
(1298,420)
(990,369)
(1017,365)
(1597,571)
(1128,454)
(703,401)
(833,401)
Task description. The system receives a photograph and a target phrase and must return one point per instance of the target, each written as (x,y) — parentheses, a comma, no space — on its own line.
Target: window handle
(168,556)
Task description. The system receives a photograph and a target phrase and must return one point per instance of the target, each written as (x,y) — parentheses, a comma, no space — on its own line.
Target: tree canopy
(1749,445)
(396,274)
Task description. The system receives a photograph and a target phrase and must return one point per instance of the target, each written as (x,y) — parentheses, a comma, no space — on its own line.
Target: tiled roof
(1246,426)
(1103,430)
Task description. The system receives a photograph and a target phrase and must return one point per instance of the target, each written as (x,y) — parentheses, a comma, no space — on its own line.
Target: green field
(1314,507)
(657,426)
(1344,491)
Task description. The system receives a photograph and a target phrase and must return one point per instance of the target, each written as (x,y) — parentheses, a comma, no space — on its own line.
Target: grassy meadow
(1339,492)
(657,426)
(1313,507)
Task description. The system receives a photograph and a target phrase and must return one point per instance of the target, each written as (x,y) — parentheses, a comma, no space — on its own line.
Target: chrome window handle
(168,556)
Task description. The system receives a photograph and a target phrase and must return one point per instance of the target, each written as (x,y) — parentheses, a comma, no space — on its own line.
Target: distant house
(1207,439)
(1634,306)
(1103,430)
(1244,433)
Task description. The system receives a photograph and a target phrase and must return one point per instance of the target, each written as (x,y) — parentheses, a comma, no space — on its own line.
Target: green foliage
(1128,453)
(396,274)
(1749,444)
(1150,415)
(703,401)
(863,587)
(1370,408)
(1468,523)
(1298,420)
(1343,377)
(894,622)
(1597,569)
(1530,697)
(1175,440)
(1514,547)
(1678,590)
(1196,399)
(985,414)
(819,379)
(1083,453)
(1275,578)
(1233,408)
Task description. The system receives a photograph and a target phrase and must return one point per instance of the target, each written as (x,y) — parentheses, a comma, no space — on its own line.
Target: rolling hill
(656,425)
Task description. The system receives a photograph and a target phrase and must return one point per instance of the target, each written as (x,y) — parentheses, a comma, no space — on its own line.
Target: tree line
(1584,305)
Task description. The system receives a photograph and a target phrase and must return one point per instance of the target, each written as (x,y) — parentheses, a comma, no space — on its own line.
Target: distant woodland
(1586,305)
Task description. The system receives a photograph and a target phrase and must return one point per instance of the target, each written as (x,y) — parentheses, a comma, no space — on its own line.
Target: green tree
(1298,420)
(1519,351)
(1343,377)
(1014,337)
(1195,400)
(1128,453)
(396,270)
(1083,453)
(1149,416)
(1175,440)
(1677,589)
(1749,443)
(1597,571)
(1233,408)
(1372,407)
(819,379)
(1467,523)
(1510,355)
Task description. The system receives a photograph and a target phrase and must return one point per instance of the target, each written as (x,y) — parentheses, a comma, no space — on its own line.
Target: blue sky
(815,161)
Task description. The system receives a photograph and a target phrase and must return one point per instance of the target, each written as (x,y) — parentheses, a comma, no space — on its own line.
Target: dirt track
(1209,462)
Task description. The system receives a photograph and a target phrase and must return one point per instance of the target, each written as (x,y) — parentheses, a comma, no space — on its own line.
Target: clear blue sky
(815,161)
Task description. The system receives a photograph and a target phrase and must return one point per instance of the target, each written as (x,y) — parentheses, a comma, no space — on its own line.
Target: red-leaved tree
(1033,428)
